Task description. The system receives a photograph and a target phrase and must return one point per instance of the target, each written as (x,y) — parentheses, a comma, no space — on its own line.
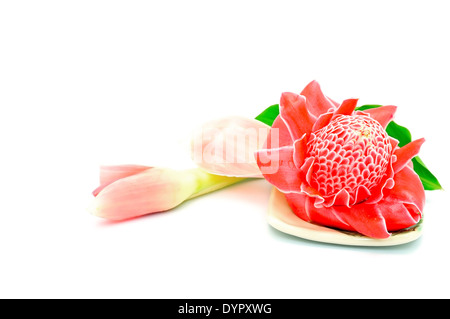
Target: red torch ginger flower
(338,167)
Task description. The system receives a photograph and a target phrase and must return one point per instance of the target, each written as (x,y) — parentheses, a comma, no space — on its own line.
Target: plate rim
(281,217)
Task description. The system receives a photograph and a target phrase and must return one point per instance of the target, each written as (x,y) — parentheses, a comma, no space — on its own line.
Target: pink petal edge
(112,173)
(278,168)
(382,114)
(295,114)
(317,102)
(226,146)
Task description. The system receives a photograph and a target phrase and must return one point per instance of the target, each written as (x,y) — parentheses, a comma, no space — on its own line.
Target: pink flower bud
(130,191)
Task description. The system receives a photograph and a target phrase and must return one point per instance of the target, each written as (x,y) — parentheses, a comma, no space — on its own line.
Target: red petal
(366,219)
(362,193)
(377,192)
(303,206)
(342,198)
(336,104)
(408,189)
(284,136)
(383,114)
(297,202)
(313,193)
(401,208)
(397,215)
(307,169)
(295,115)
(300,148)
(394,143)
(322,121)
(347,107)
(316,101)
(386,183)
(277,166)
(326,216)
(406,153)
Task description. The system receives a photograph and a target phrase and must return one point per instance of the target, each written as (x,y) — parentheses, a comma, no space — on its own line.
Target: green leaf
(366,107)
(401,133)
(269,115)
(429,181)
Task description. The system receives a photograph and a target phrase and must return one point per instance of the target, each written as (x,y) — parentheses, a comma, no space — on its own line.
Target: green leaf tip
(429,181)
(269,115)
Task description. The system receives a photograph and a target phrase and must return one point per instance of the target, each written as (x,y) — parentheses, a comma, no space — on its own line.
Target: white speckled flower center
(350,152)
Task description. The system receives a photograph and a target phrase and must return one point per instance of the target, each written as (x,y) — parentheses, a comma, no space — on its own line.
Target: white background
(84,83)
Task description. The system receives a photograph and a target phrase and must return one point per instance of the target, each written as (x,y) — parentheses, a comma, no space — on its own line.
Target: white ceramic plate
(281,217)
